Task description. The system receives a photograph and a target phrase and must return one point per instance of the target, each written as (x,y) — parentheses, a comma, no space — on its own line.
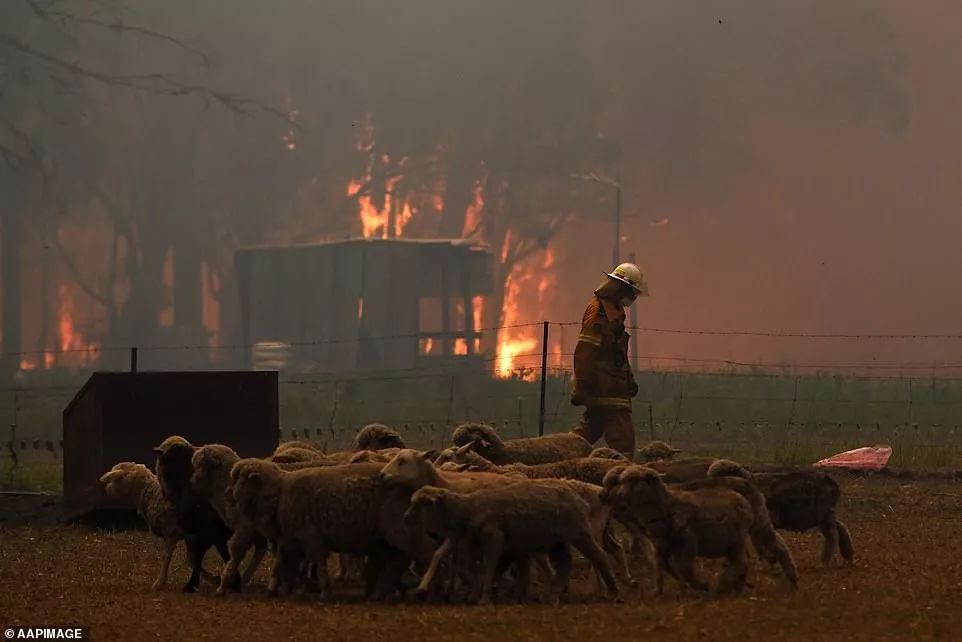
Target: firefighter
(604,383)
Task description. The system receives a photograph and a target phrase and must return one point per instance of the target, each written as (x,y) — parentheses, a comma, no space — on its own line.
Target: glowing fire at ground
(518,351)
(83,352)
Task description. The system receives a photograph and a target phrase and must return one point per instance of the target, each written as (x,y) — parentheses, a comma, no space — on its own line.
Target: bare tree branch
(157,83)
(76,275)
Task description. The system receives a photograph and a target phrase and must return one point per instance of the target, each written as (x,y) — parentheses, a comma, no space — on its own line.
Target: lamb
(135,485)
(683,524)
(534,450)
(313,512)
(586,469)
(378,437)
(201,525)
(799,501)
(655,451)
(607,453)
(413,470)
(211,477)
(767,542)
(520,520)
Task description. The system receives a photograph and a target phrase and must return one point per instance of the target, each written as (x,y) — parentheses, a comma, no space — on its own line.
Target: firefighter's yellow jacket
(603,377)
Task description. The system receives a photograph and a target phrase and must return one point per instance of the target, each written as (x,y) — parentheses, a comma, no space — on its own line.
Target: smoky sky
(790,165)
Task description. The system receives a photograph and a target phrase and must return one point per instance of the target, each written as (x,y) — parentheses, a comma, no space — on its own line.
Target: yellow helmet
(630,274)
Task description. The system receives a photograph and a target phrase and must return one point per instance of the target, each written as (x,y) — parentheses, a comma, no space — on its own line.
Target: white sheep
(134,485)
(520,520)
(533,450)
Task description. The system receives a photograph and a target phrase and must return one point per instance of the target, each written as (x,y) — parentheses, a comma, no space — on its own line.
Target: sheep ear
(158,450)
(485,443)
(465,448)
(426,455)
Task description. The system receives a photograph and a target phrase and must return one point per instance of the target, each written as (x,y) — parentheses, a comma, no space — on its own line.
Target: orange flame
(71,340)
(472,216)
(513,342)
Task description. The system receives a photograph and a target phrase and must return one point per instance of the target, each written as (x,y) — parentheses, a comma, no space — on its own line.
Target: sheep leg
(169,546)
(195,557)
(846,548)
(436,559)
(285,569)
(732,579)
(785,560)
(682,561)
(491,551)
(524,577)
(237,547)
(618,557)
(829,529)
(260,549)
(317,555)
(389,579)
(560,558)
(588,547)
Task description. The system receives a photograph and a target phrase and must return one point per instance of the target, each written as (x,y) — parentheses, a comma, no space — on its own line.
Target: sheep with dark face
(683,525)
(533,450)
(378,437)
(799,501)
(655,451)
(520,520)
(136,486)
(211,477)
(202,527)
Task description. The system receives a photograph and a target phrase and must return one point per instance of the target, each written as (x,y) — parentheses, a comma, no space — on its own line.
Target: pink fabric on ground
(867,458)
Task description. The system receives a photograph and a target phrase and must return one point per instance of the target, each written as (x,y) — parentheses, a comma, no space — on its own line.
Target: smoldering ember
(444,318)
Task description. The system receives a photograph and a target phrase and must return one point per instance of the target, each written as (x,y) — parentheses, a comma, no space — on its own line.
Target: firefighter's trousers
(614,424)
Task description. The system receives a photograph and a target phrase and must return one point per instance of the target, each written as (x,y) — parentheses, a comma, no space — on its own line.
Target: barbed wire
(452,334)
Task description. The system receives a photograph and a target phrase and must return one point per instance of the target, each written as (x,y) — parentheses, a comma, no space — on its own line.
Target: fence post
(133,359)
(651,423)
(544,377)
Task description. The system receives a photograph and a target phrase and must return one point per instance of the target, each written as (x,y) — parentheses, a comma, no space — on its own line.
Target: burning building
(368,303)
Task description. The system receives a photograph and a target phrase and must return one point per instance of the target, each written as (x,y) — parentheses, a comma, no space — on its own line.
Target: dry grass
(907,586)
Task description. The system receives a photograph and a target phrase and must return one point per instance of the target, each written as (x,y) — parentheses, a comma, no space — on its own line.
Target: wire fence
(753,410)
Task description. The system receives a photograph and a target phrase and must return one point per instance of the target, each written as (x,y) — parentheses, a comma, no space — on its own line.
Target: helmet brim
(640,290)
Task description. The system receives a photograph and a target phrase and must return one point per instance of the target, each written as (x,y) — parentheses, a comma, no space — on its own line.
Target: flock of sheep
(469,521)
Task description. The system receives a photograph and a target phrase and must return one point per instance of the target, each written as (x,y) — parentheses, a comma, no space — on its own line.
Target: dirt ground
(907,586)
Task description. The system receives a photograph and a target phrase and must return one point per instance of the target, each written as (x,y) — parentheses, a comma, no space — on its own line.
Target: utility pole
(615,185)
(633,322)
(616,252)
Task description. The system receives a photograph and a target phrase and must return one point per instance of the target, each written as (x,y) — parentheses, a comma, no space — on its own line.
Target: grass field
(907,585)
(752,417)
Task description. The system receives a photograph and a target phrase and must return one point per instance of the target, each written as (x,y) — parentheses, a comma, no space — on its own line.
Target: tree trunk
(188,294)
(458,195)
(11,239)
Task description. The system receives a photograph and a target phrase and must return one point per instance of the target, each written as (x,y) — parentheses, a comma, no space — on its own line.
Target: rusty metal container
(121,416)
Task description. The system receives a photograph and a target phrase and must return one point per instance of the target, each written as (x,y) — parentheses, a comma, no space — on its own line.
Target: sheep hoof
(421,594)
(189,588)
